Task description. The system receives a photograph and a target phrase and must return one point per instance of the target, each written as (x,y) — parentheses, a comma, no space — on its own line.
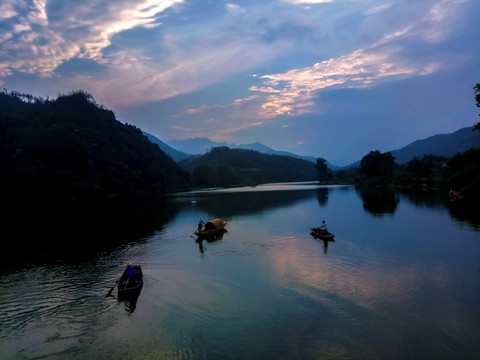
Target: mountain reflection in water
(400,281)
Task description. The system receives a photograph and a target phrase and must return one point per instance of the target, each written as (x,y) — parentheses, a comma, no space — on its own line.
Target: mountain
(268,150)
(72,147)
(222,166)
(175,154)
(197,145)
(201,145)
(441,145)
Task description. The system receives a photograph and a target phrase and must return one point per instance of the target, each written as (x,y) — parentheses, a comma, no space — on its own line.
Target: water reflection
(465,212)
(130,301)
(325,240)
(422,198)
(381,201)
(225,203)
(91,227)
(210,239)
(266,291)
(462,211)
(325,246)
(322,196)
(378,201)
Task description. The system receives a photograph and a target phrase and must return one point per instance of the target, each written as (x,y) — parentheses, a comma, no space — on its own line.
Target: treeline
(459,173)
(223,166)
(71,147)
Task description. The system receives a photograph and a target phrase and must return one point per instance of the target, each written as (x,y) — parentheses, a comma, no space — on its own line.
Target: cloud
(139,80)
(442,9)
(149,52)
(378,8)
(7,11)
(193,55)
(37,43)
(234,9)
(210,128)
(224,126)
(198,110)
(298,91)
(295,92)
(226,133)
(181,128)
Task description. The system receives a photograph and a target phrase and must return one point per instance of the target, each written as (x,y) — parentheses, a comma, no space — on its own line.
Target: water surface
(400,281)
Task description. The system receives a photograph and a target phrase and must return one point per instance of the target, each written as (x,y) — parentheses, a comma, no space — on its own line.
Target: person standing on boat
(323,228)
(129,270)
(200,224)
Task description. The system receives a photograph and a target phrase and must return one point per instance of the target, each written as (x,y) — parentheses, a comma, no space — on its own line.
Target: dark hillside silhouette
(72,147)
(440,145)
(73,179)
(223,166)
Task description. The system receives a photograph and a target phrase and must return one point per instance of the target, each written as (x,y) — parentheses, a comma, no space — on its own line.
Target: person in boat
(323,227)
(130,271)
(200,224)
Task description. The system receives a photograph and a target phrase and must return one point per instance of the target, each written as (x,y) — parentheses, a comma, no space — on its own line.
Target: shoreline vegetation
(72,148)
(455,177)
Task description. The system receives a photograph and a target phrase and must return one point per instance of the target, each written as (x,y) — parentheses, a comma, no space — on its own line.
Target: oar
(110,292)
(193,233)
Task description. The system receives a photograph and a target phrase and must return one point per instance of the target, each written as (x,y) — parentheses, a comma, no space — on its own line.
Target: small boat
(212,227)
(130,287)
(322,234)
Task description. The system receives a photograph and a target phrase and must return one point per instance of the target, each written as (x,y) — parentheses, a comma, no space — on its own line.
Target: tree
(323,171)
(73,148)
(463,173)
(376,163)
(476,88)
(426,165)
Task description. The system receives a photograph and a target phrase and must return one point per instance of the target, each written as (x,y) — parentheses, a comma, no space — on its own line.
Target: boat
(322,234)
(212,228)
(130,287)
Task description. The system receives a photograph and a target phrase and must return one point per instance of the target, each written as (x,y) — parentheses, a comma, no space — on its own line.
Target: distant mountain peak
(441,145)
(199,145)
(173,153)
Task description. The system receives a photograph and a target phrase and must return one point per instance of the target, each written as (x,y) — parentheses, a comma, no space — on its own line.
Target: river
(400,281)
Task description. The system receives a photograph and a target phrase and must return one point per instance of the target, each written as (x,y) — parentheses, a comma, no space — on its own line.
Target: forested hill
(223,166)
(72,147)
(441,145)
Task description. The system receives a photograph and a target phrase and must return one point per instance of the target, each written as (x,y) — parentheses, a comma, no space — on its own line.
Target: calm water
(401,281)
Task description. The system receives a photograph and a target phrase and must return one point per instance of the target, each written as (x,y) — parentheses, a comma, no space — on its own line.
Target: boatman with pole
(130,271)
(200,224)
(323,228)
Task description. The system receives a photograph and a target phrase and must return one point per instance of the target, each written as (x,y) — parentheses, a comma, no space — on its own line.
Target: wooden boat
(321,234)
(212,227)
(128,288)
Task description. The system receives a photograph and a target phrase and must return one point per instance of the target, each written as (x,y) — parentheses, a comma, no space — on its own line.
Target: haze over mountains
(181,149)
(441,145)
(201,145)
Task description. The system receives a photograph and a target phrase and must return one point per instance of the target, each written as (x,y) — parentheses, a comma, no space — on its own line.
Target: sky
(324,78)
